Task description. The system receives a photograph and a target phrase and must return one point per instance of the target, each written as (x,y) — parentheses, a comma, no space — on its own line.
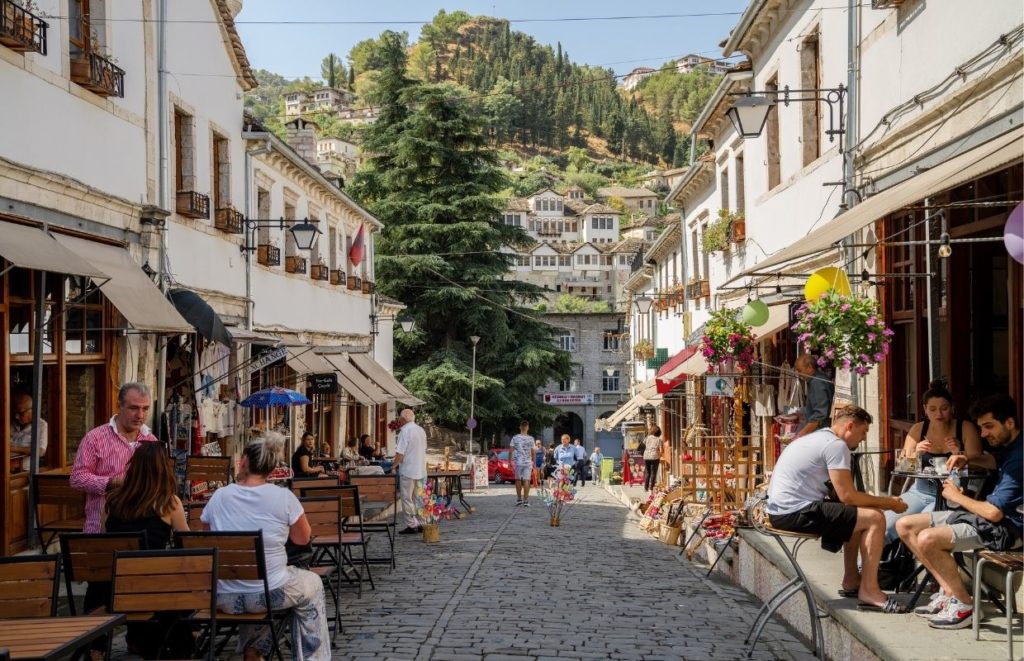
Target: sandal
(851,592)
(891,605)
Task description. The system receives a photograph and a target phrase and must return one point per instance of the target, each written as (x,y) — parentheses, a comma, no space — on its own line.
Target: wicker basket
(431,533)
(669,534)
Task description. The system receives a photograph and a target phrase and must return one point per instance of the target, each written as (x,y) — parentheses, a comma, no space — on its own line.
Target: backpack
(896,568)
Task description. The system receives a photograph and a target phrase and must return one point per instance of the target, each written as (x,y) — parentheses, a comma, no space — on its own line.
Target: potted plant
(717,233)
(643,350)
(843,331)
(431,510)
(727,340)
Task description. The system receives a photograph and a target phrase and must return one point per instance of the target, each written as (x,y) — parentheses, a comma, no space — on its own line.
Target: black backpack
(896,568)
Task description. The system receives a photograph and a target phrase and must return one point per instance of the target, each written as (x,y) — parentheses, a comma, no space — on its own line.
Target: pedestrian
(521,456)
(251,503)
(580,465)
(104,452)
(411,463)
(595,462)
(652,457)
(538,463)
(565,454)
(549,462)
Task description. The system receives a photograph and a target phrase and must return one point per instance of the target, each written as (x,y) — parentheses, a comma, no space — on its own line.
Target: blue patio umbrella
(275,397)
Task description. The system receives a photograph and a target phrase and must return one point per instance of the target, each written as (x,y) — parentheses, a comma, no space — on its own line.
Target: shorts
(833,522)
(523,472)
(965,536)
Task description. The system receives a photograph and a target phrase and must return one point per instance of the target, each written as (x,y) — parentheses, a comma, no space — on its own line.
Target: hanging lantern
(755,313)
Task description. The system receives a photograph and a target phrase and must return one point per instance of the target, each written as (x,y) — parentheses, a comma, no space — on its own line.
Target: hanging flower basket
(643,350)
(843,331)
(728,343)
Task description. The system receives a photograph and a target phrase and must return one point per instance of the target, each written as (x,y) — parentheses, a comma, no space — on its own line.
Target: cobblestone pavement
(503,584)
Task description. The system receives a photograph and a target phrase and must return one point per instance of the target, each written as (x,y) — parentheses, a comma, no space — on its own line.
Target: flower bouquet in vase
(561,492)
(431,510)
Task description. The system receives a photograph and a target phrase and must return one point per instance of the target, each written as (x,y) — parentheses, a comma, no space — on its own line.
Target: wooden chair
(89,557)
(1010,562)
(29,586)
(212,470)
(149,582)
(300,483)
(324,516)
(54,489)
(380,491)
(240,557)
(352,534)
(193,512)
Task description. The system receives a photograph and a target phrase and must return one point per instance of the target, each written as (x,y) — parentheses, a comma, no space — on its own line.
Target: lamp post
(471,423)
(304,232)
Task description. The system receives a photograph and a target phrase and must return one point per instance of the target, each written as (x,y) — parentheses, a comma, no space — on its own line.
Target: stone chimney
(301,136)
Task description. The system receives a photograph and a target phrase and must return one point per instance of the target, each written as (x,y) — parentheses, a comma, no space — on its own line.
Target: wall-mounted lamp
(407,323)
(643,304)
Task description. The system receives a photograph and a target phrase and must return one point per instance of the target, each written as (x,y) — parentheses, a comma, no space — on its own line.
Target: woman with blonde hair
(251,503)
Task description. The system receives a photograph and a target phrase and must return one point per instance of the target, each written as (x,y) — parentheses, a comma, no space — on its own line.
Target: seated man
(797,502)
(993,523)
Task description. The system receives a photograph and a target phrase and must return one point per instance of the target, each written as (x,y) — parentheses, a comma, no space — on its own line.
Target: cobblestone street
(504,584)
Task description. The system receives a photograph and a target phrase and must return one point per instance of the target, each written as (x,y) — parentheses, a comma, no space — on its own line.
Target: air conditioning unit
(885,4)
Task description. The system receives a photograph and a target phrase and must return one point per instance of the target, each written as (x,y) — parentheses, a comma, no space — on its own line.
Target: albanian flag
(358,249)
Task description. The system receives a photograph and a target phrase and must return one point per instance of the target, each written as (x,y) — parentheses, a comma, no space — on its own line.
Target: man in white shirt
(411,464)
(797,502)
(21,426)
(521,451)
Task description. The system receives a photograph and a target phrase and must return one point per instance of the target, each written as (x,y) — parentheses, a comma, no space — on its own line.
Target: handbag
(641,447)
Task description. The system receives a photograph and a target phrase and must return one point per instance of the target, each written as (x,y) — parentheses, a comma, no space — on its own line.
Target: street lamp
(407,323)
(471,423)
(749,113)
(304,232)
(643,304)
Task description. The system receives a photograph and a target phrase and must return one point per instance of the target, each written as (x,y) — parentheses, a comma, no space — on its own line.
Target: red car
(499,469)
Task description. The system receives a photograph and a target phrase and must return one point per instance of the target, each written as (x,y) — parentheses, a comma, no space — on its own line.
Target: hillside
(679,95)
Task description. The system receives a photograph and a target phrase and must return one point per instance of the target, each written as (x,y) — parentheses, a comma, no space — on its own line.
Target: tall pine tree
(434,182)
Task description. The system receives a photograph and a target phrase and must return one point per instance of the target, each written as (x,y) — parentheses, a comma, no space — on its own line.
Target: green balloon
(755,313)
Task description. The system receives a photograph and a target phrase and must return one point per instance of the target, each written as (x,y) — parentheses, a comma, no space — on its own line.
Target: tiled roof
(246,76)
(517,204)
(574,206)
(622,191)
(627,245)
(600,208)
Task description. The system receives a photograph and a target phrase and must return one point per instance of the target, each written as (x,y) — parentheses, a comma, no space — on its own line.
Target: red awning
(663,380)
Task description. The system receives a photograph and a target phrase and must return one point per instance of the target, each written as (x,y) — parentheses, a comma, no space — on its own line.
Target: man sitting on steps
(798,502)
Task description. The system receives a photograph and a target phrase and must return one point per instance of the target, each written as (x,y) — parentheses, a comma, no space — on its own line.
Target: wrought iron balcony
(295,264)
(192,204)
(98,74)
(228,220)
(268,255)
(21,30)
(319,272)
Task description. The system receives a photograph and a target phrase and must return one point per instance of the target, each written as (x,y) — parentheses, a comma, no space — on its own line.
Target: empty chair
(54,490)
(215,471)
(381,496)
(89,558)
(29,586)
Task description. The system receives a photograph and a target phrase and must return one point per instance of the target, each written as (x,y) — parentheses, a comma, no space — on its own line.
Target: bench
(1011,562)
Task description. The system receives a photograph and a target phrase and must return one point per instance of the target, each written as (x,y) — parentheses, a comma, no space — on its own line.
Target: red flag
(358,249)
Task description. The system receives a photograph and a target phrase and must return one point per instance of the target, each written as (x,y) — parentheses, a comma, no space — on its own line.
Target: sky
(295,49)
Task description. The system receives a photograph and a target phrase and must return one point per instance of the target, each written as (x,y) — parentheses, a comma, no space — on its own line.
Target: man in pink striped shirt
(105,451)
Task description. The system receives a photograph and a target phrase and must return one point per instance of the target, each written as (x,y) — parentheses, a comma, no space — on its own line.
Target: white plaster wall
(384,345)
(204,261)
(55,125)
(295,302)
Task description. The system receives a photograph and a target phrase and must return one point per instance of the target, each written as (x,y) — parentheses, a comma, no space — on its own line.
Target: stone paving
(503,584)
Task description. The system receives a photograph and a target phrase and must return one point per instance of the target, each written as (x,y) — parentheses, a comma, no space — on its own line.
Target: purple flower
(862,370)
(831,353)
(872,337)
(846,363)
(879,357)
(803,337)
(822,362)
(864,358)
(888,332)
(844,307)
(885,349)
(871,321)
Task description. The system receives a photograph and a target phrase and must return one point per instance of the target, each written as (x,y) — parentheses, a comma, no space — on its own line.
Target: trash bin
(607,468)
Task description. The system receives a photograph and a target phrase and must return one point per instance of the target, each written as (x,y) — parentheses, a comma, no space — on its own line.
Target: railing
(268,255)
(228,220)
(367,287)
(21,30)
(319,272)
(549,233)
(337,277)
(192,204)
(98,74)
(295,264)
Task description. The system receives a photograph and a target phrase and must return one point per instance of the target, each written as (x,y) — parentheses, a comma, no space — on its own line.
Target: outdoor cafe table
(50,638)
(452,486)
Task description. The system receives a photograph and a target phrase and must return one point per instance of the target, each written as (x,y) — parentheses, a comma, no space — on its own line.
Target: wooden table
(53,637)
(452,486)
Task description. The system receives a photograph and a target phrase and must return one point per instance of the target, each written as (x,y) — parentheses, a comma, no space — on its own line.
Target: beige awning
(32,248)
(128,288)
(243,336)
(646,394)
(1007,148)
(385,379)
(346,370)
(304,360)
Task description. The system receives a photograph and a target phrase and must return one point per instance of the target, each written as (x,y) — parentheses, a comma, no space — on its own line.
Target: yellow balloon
(825,279)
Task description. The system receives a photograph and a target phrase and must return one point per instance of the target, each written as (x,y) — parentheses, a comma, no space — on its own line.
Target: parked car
(499,468)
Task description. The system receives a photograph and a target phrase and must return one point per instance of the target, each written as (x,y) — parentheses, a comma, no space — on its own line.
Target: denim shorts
(965,536)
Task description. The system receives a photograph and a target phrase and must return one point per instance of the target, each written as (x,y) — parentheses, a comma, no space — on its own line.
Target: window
(87,27)
(513,219)
(772,130)
(332,259)
(565,260)
(610,379)
(810,78)
(263,211)
(567,386)
(602,223)
(533,225)
(740,199)
(184,165)
(585,259)
(695,251)
(572,226)
(522,260)
(545,261)
(623,260)
(723,186)
(567,342)
(221,173)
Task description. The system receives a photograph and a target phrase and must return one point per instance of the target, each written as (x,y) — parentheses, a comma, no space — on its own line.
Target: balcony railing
(192,204)
(98,74)
(338,277)
(228,220)
(295,264)
(367,287)
(548,232)
(319,272)
(21,30)
(355,283)
(268,255)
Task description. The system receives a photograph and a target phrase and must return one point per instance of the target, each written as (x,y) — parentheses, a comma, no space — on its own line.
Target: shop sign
(267,359)
(568,398)
(723,386)
(323,384)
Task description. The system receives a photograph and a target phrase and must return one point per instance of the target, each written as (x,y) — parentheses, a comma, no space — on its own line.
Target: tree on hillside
(332,70)
(433,181)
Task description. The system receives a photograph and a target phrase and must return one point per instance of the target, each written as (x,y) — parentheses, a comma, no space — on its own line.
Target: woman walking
(652,457)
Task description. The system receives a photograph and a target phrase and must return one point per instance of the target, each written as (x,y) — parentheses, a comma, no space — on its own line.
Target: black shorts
(833,522)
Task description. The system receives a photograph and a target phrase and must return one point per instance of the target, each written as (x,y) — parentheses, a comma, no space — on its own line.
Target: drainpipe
(683,268)
(249,172)
(162,196)
(848,201)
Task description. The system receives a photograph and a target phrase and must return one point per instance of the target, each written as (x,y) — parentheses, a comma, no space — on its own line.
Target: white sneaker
(933,607)
(956,615)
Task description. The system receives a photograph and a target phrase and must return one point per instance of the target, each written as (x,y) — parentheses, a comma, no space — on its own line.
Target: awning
(32,248)
(128,287)
(304,360)
(385,379)
(203,318)
(662,380)
(647,394)
(1007,148)
(778,318)
(243,336)
(694,365)
(370,394)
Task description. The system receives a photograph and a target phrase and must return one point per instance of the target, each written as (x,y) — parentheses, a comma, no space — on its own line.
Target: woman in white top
(350,453)
(253,504)
(652,457)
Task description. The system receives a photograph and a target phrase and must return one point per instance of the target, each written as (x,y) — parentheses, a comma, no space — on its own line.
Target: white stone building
(322,99)
(634,77)
(639,201)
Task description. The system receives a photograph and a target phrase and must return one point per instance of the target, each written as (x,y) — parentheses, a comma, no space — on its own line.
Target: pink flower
(864,358)
(822,362)
(871,321)
(830,353)
(862,370)
(846,363)
(844,307)
(888,333)
(871,337)
(879,357)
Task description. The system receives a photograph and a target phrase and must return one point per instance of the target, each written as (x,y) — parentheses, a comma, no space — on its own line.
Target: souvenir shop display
(560,495)
(431,509)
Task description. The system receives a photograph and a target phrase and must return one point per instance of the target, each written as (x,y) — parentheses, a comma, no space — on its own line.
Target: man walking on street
(522,449)
(595,462)
(105,451)
(580,465)
(411,464)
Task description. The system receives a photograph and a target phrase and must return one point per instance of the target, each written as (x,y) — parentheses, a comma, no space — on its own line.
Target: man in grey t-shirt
(797,502)
(521,451)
